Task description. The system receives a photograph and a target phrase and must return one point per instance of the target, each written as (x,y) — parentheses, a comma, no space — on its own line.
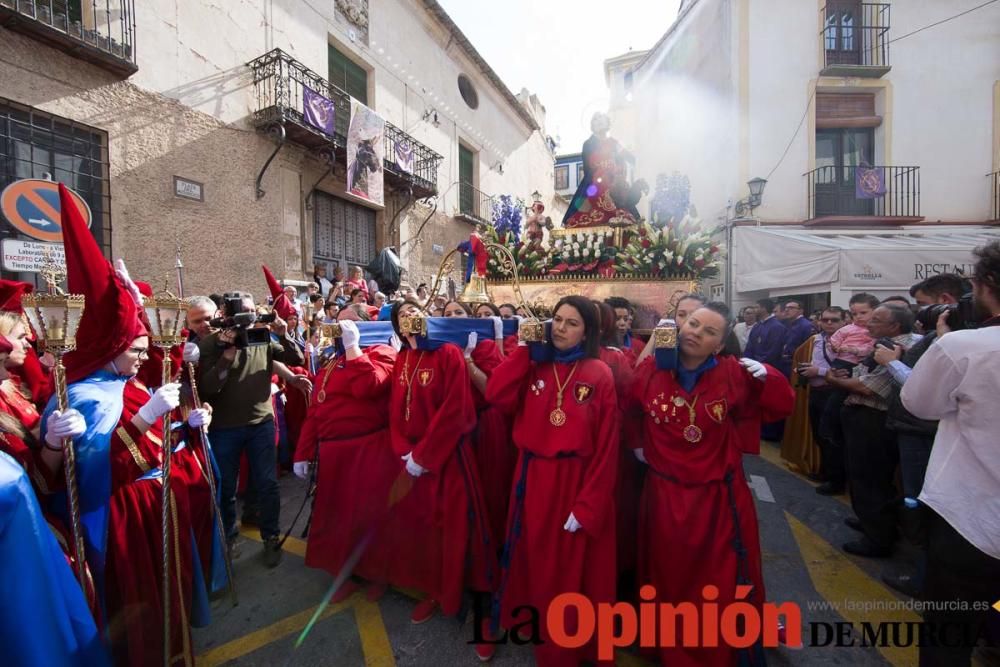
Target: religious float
(602,248)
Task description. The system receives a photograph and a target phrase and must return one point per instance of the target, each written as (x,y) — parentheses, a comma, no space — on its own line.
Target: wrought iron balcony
(102,32)
(280,87)
(855,38)
(474,205)
(995,195)
(864,194)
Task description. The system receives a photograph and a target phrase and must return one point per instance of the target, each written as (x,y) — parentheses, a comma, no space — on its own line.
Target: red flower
(646,243)
(699,263)
(642,232)
(713,249)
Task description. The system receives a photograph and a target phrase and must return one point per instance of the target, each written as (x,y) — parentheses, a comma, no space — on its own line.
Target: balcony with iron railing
(474,205)
(281,86)
(855,38)
(100,32)
(995,196)
(843,194)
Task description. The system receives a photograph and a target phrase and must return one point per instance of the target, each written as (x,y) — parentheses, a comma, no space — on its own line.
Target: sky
(557,48)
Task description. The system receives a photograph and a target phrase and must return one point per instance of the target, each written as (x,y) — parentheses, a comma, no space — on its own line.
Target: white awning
(776,258)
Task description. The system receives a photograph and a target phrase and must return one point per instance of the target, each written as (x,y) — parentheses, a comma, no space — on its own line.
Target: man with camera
(957,382)
(915,436)
(872,453)
(235,375)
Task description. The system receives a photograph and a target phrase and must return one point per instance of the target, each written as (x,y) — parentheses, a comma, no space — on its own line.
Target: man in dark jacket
(914,435)
(766,344)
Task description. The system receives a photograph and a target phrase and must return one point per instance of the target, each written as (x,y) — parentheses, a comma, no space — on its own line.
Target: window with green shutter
(466,172)
(348,75)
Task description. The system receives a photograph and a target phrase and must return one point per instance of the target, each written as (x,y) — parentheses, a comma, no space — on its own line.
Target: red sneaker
(346,590)
(424,611)
(376,591)
(485,652)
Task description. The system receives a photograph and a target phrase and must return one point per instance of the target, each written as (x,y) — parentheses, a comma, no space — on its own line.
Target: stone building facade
(179,93)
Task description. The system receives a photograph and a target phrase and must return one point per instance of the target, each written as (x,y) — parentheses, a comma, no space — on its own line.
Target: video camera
(961,315)
(242,320)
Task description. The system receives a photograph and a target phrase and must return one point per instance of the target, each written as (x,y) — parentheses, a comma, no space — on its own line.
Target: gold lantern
(54,317)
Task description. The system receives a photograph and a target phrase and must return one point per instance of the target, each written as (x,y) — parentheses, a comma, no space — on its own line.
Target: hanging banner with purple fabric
(318,110)
(869,182)
(404,155)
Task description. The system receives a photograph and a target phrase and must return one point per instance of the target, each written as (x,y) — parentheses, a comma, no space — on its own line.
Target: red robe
(296,407)
(133,577)
(357,466)
(632,353)
(14,403)
(495,455)
(687,530)
(437,530)
(628,485)
(561,469)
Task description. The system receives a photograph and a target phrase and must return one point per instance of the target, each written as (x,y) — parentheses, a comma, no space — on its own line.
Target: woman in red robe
(346,432)
(697,522)
(561,529)
(495,456)
(437,531)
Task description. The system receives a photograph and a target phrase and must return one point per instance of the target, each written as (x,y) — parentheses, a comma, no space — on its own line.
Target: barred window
(35,144)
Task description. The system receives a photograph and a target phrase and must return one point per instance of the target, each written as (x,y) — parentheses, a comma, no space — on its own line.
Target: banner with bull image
(365,152)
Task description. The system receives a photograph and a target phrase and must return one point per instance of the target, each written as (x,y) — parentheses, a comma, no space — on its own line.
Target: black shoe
(904,583)
(854,523)
(866,548)
(816,477)
(272,552)
(830,489)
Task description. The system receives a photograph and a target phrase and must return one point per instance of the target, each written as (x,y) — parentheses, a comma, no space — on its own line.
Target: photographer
(914,435)
(956,382)
(235,373)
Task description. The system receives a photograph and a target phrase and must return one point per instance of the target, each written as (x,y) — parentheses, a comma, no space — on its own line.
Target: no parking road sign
(31,206)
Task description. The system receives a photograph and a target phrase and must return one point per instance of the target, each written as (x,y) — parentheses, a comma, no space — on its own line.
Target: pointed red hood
(11,292)
(282,306)
(111,317)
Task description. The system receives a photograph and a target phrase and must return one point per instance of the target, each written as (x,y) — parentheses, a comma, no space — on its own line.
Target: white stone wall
(186,112)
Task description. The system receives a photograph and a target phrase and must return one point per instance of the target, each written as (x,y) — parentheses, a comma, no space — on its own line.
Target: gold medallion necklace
(691,432)
(321,396)
(407,379)
(557,417)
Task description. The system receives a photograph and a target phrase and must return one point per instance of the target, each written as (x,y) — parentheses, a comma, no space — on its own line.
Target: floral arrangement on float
(675,246)
(684,249)
(583,252)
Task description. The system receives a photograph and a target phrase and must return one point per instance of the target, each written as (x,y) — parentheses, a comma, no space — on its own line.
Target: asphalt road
(801,534)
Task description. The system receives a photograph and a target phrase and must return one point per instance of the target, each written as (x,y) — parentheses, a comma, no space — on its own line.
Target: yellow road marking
(772,455)
(249,643)
(837,579)
(374,639)
(996,605)
(292,545)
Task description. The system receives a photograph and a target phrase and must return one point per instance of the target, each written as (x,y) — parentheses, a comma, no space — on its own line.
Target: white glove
(471,345)
(755,368)
(572,525)
(192,353)
(163,401)
(666,322)
(301,469)
(349,334)
(497,327)
(61,425)
(639,454)
(396,342)
(412,467)
(200,418)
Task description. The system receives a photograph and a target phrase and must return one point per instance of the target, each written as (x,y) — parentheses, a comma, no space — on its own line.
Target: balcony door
(838,154)
(466,174)
(842,35)
(343,233)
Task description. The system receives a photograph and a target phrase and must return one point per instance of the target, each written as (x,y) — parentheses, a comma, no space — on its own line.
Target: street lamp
(536,196)
(742,209)
(745,206)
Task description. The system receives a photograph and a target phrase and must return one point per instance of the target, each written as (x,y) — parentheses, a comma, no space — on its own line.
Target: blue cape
(44,618)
